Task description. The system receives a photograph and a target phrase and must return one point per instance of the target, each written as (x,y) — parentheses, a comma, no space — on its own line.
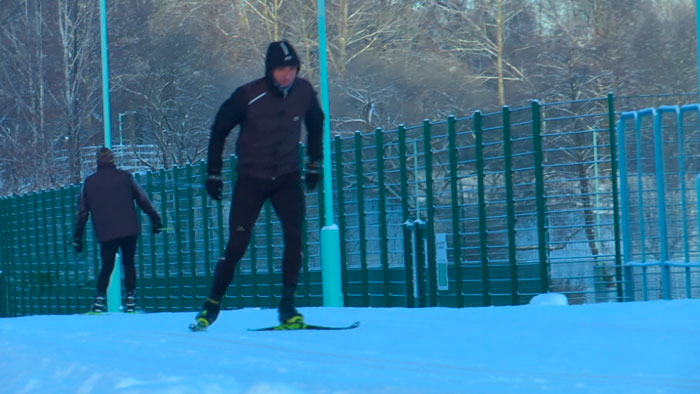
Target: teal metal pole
(330,233)
(114,291)
(697,14)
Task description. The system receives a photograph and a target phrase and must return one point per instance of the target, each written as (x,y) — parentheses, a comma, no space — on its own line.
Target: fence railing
(658,165)
(490,209)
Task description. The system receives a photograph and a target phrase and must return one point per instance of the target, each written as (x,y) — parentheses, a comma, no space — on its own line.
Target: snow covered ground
(643,347)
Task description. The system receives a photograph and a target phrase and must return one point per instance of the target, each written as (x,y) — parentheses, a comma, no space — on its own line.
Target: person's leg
(288,202)
(108,251)
(128,249)
(248,196)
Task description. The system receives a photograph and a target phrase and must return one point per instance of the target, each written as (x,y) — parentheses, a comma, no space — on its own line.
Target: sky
(545,347)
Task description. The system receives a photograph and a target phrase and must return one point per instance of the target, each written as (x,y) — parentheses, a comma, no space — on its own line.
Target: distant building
(132,158)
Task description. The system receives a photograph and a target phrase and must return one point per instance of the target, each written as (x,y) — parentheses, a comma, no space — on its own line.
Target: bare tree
(480,30)
(78,95)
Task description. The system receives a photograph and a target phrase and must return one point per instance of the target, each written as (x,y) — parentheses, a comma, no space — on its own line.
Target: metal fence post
(429,205)
(340,190)
(166,254)
(4,303)
(419,258)
(540,196)
(454,189)
(615,195)
(661,198)
(152,248)
(361,218)
(383,237)
(179,261)
(481,192)
(407,239)
(191,294)
(510,207)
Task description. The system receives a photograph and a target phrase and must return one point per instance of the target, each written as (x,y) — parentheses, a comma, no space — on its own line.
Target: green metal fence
(489,209)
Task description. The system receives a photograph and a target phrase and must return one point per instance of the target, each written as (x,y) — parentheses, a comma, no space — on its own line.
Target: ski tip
(294,327)
(196,327)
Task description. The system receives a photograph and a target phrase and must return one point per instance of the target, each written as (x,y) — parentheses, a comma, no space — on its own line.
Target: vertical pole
(364,269)
(624,208)
(510,207)
(152,249)
(481,192)
(205,220)
(3,270)
(684,201)
(192,235)
(341,212)
(330,235)
(383,233)
(166,253)
(429,204)
(539,195)
(179,261)
(661,199)
(114,291)
(454,194)
(615,195)
(407,236)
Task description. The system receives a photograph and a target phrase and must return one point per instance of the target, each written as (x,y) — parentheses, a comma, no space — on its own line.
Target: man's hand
(157,226)
(313,174)
(77,245)
(214,187)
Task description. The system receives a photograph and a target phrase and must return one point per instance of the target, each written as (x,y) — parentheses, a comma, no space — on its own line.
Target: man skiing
(270,111)
(109,195)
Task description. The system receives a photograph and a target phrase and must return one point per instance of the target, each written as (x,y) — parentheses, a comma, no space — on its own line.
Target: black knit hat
(104,157)
(280,53)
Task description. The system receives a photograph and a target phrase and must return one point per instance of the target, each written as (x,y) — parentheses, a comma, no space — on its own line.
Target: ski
(304,326)
(196,327)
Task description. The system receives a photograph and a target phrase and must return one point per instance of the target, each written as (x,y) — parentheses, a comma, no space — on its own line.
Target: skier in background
(109,195)
(270,111)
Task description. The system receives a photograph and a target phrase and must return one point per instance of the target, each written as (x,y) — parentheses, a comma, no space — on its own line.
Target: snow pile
(550,299)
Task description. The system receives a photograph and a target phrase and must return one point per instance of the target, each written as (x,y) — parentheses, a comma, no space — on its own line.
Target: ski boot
(288,315)
(99,305)
(207,316)
(130,302)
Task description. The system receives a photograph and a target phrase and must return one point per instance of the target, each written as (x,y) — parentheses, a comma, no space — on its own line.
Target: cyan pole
(114,291)
(330,233)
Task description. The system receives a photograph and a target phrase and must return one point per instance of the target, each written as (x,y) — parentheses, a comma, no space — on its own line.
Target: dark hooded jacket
(270,121)
(109,195)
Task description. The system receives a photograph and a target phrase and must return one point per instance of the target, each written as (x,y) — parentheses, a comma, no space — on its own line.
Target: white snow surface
(640,347)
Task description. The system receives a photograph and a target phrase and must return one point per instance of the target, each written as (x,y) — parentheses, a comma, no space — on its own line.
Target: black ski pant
(249,194)
(108,250)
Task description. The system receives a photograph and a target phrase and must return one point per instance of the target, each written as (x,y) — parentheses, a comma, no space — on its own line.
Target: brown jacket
(109,194)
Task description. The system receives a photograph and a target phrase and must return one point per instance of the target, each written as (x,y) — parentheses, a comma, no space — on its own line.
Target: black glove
(313,174)
(77,245)
(214,187)
(157,226)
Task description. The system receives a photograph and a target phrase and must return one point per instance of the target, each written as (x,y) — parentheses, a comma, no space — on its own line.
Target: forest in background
(390,61)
